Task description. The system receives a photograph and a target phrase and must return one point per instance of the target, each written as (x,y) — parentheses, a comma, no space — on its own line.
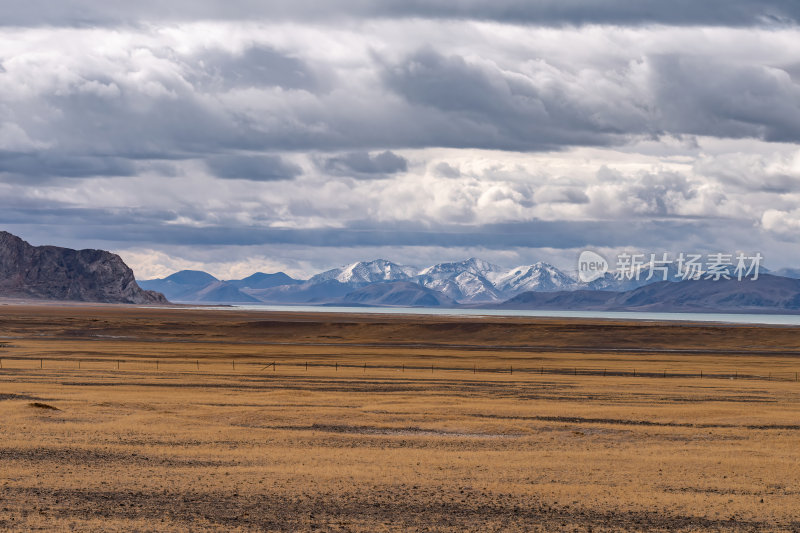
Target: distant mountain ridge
(50,272)
(398,293)
(54,273)
(767,294)
(470,281)
(477,283)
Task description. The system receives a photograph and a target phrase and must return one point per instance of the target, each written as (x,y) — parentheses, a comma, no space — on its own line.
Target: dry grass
(253,448)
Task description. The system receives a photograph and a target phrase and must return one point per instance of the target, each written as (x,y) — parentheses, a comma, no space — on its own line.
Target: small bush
(40,405)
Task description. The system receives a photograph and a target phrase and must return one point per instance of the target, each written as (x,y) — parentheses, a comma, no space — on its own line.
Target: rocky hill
(53,273)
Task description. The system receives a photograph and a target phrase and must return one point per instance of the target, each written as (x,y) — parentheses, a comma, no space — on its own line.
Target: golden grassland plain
(142,419)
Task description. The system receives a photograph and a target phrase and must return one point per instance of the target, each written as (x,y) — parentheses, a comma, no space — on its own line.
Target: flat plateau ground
(136,419)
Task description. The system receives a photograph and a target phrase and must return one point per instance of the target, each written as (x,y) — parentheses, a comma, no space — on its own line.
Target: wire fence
(272,366)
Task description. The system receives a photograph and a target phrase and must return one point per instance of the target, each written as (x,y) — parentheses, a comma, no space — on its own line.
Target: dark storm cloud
(45,164)
(705,96)
(542,12)
(258,66)
(488,108)
(365,165)
(135,227)
(252,168)
(425,99)
(171,124)
(468,105)
(577,12)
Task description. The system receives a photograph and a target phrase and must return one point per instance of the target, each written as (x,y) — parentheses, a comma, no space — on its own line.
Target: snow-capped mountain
(473,281)
(465,281)
(364,272)
(470,281)
(540,277)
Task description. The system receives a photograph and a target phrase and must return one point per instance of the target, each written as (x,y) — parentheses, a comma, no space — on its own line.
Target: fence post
(512,370)
(634,372)
(198,364)
(274,367)
(474,368)
(604,372)
(41,363)
(306,366)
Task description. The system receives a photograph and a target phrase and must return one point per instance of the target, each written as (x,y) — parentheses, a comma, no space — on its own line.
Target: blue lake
(788,320)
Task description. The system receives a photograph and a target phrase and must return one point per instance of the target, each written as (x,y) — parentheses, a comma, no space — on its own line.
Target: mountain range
(54,273)
(465,282)
(478,283)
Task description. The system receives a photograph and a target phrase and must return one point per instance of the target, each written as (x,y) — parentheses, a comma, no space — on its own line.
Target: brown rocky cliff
(53,273)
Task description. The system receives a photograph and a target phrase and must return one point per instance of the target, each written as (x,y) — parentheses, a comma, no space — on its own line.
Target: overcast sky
(249,135)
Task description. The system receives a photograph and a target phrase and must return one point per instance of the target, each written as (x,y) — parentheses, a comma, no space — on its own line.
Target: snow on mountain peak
(474,265)
(471,280)
(367,272)
(536,277)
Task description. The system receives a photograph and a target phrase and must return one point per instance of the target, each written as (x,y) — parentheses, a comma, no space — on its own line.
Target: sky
(298,136)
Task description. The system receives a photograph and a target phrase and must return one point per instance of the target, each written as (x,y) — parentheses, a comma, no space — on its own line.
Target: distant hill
(327,291)
(199,286)
(180,286)
(399,293)
(191,277)
(54,273)
(260,280)
(768,294)
(561,300)
(222,292)
(788,273)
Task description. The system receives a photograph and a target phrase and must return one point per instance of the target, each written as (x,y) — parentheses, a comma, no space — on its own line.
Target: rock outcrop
(53,273)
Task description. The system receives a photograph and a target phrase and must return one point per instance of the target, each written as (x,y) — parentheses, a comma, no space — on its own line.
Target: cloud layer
(518,129)
(542,12)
